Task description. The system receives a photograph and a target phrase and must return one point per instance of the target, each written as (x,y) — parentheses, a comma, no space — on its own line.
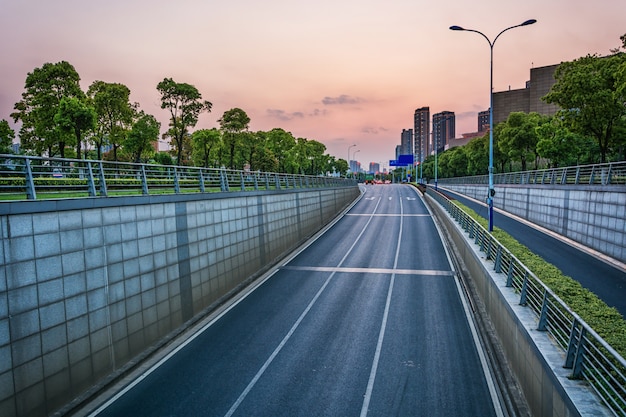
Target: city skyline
(317,70)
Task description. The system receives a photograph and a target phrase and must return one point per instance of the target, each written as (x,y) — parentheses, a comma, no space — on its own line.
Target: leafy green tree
(590,92)
(477,151)
(163,158)
(75,118)
(185,104)
(6,137)
(517,137)
(340,165)
(114,112)
(561,147)
(233,123)
(45,87)
(205,143)
(142,137)
(280,142)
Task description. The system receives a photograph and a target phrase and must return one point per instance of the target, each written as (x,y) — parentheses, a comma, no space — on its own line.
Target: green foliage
(142,136)
(605,320)
(114,114)
(185,104)
(590,92)
(6,137)
(75,117)
(45,87)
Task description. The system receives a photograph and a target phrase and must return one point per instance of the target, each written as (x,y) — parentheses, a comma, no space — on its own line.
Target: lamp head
(529,22)
(456,28)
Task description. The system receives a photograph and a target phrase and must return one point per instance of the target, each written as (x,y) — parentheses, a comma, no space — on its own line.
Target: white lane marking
(383,326)
(390,198)
(429,272)
(269,360)
(370,198)
(411,198)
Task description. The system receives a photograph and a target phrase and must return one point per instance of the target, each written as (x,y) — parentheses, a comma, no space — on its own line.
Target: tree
(591,96)
(561,147)
(6,137)
(205,143)
(114,113)
(75,118)
(232,123)
(280,142)
(45,88)
(477,151)
(185,104)
(341,166)
(517,137)
(142,136)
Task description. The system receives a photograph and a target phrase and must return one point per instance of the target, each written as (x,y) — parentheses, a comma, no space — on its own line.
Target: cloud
(342,99)
(374,130)
(283,115)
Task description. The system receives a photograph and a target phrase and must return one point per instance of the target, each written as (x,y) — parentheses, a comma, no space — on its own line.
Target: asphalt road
(366,320)
(599,277)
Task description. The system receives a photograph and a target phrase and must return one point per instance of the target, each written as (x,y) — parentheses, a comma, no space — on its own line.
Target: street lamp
(492,192)
(349,156)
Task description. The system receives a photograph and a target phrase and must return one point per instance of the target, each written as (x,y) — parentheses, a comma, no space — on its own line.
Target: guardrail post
(592,176)
(144,180)
(277,179)
(608,175)
(201,181)
(509,275)
(267,181)
(243,181)
(223,181)
(91,185)
(543,316)
(103,183)
(256,182)
(524,293)
(577,369)
(176,183)
(31,194)
(498,262)
(577,175)
(575,349)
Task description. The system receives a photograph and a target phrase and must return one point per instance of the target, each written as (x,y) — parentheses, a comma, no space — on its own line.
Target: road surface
(368,320)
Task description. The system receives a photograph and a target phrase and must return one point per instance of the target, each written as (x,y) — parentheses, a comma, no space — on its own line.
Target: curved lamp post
(349,156)
(492,192)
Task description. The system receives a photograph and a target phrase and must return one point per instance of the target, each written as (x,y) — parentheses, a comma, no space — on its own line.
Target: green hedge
(605,320)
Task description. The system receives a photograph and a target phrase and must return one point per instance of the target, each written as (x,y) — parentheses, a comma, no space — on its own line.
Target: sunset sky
(341,72)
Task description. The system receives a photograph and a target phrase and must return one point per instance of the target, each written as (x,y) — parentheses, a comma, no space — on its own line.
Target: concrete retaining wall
(593,216)
(89,286)
(534,359)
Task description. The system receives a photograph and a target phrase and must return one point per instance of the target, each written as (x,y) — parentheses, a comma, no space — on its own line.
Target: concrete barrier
(89,287)
(532,356)
(591,215)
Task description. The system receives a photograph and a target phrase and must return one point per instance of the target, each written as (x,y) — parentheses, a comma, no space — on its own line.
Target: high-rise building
(374,168)
(483,120)
(443,130)
(406,142)
(421,130)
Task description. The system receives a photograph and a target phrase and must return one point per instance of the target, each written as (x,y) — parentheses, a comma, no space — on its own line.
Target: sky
(342,72)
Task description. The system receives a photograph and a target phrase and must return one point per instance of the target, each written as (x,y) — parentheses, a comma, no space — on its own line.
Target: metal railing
(613,173)
(27,177)
(587,354)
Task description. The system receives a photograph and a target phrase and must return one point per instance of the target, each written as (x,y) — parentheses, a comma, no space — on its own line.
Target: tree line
(59,119)
(589,128)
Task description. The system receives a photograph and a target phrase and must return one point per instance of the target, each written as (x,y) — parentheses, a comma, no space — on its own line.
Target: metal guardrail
(613,173)
(27,177)
(588,356)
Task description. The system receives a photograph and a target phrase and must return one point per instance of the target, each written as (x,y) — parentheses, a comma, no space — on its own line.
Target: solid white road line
(383,326)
